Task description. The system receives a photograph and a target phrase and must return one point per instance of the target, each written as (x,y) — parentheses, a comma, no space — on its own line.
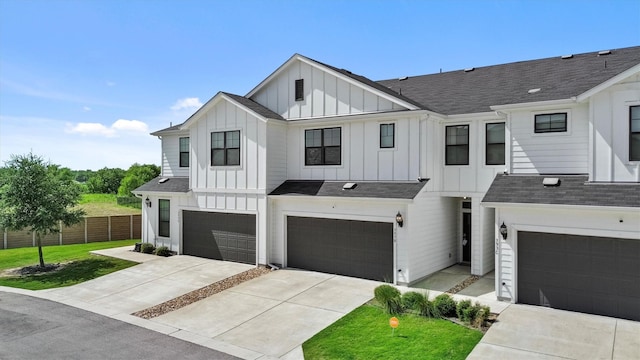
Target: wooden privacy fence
(91,229)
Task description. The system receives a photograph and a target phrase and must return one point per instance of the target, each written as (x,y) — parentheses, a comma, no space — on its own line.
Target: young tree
(37,195)
(105,181)
(136,176)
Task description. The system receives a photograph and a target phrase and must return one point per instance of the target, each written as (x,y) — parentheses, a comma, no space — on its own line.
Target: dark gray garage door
(361,249)
(581,273)
(219,236)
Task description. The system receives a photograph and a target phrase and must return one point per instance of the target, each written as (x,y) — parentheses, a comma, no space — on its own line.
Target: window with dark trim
(494,147)
(545,123)
(387,136)
(634,133)
(299,89)
(457,145)
(225,148)
(184,152)
(164,214)
(323,146)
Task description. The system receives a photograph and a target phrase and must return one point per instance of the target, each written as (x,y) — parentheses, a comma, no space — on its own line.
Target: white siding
(590,222)
(362,157)
(432,242)
(475,177)
(324,94)
(548,153)
(610,133)
(276,156)
(171,156)
(251,174)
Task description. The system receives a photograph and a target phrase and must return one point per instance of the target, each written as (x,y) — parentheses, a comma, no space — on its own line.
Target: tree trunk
(39,249)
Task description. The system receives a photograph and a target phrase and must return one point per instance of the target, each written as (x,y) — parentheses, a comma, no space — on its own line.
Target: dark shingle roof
(460,92)
(572,190)
(250,104)
(364,189)
(172,185)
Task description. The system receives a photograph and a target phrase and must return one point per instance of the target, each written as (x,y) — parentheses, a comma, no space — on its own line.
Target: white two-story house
(322,169)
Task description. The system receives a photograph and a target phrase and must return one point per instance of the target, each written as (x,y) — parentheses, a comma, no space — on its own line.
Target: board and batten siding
(589,222)
(549,153)
(324,95)
(472,178)
(251,173)
(610,132)
(171,156)
(362,157)
(276,156)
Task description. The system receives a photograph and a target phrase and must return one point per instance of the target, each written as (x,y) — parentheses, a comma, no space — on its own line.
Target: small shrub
(445,305)
(461,307)
(469,313)
(481,316)
(163,251)
(147,248)
(389,297)
(411,299)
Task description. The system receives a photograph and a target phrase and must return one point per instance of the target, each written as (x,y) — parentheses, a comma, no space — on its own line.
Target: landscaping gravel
(470,280)
(202,293)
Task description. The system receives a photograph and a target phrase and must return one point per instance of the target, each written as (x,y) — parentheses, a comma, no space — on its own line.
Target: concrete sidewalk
(534,332)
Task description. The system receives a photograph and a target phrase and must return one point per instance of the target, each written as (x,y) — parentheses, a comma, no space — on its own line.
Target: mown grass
(104,205)
(82,265)
(365,334)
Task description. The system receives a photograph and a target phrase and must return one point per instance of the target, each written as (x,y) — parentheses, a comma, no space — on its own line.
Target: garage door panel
(580,273)
(219,236)
(346,247)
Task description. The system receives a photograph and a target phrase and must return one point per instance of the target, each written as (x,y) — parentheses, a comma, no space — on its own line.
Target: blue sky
(82,83)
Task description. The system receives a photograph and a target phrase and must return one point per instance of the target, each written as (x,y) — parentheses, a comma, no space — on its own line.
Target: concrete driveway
(534,332)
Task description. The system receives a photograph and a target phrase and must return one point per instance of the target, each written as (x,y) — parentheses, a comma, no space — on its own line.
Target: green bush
(469,313)
(411,299)
(461,307)
(163,251)
(445,305)
(481,315)
(389,297)
(147,248)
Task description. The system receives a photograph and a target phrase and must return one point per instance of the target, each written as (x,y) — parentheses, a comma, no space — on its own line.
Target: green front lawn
(82,265)
(365,334)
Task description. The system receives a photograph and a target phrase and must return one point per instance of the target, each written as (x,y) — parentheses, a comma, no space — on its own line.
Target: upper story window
(545,123)
(323,146)
(634,133)
(164,217)
(225,148)
(299,89)
(457,145)
(494,144)
(387,136)
(184,152)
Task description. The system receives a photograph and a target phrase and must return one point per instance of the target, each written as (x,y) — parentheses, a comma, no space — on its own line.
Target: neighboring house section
(323,169)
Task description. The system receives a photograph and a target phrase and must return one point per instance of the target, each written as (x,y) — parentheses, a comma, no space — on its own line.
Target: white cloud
(187,103)
(120,127)
(111,83)
(86,108)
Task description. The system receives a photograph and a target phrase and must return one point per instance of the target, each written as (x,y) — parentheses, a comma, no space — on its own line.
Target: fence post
(33,238)
(60,233)
(5,239)
(109,226)
(86,235)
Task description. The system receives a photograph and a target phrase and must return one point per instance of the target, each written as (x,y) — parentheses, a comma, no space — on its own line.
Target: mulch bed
(202,293)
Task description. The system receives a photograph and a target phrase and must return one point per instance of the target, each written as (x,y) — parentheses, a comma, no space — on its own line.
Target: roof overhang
(614,80)
(387,115)
(310,62)
(533,105)
(560,207)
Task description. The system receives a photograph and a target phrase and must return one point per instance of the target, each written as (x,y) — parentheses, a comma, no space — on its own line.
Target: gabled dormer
(175,151)
(303,88)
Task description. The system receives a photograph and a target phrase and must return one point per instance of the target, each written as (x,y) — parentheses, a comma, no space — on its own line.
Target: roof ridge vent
(547,182)
(564,57)
(533,91)
(349,186)
(604,52)
(469,69)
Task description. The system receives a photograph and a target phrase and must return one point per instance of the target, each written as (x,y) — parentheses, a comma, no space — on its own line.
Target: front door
(466,237)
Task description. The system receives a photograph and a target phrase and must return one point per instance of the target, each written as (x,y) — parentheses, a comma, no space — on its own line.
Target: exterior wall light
(148,202)
(399,219)
(503,230)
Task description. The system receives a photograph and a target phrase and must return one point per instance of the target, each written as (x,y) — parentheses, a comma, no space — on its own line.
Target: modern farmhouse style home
(529,168)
